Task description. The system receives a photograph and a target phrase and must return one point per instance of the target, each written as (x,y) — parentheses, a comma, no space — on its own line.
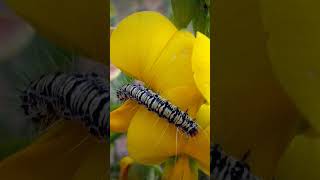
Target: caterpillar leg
(246,155)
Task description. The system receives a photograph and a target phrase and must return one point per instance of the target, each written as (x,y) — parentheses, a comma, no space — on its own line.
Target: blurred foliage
(142,172)
(12,146)
(197,11)
(183,12)
(201,20)
(112,14)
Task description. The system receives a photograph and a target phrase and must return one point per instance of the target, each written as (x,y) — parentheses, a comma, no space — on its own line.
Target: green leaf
(201,20)
(183,11)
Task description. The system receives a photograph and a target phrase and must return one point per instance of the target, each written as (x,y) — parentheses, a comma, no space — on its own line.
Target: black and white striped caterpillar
(73,96)
(224,167)
(159,105)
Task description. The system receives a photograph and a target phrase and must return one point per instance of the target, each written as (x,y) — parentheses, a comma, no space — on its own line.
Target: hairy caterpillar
(73,96)
(224,167)
(159,105)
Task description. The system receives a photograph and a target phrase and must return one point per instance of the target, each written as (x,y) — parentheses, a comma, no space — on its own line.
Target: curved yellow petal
(198,148)
(125,164)
(293,44)
(152,139)
(63,151)
(251,109)
(203,116)
(138,40)
(95,165)
(120,118)
(78,25)
(180,168)
(301,160)
(201,64)
(173,66)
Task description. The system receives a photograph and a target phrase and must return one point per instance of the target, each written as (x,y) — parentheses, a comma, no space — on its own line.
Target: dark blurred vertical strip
(108,65)
(107,60)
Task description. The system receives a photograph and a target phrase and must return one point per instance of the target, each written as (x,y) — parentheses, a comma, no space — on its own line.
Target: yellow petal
(181,169)
(138,40)
(152,139)
(203,116)
(293,44)
(173,67)
(252,110)
(125,164)
(199,149)
(148,47)
(121,117)
(201,64)
(95,165)
(301,160)
(63,151)
(199,146)
(78,25)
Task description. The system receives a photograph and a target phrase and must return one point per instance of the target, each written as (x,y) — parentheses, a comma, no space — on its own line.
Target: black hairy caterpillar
(159,105)
(224,167)
(72,96)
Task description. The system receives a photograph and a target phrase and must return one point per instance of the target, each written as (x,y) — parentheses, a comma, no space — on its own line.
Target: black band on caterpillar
(73,96)
(159,105)
(224,167)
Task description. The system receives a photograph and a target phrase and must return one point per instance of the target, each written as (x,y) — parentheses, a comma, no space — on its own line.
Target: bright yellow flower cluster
(174,63)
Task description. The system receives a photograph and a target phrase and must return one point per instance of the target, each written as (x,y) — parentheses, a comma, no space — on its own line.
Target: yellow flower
(149,48)
(125,164)
(252,110)
(201,70)
(301,160)
(78,25)
(293,47)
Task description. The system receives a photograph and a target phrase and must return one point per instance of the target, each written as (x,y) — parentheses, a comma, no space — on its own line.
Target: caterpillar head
(122,96)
